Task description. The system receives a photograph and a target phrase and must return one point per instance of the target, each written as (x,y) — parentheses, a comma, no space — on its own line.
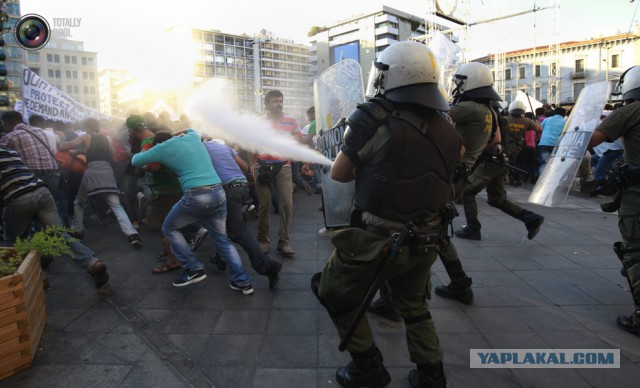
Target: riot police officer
(491,168)
(624,123)
(401,150)
(476,122)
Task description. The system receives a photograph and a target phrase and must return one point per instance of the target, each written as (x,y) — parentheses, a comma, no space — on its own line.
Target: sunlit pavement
(562,290)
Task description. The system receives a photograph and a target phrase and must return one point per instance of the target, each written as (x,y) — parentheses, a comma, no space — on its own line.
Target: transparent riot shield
(557,177)
(337,92)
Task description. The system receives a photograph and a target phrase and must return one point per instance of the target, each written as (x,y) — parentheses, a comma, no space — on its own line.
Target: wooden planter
(22,316)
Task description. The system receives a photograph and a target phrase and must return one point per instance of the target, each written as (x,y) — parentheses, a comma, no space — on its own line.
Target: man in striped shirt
(274,173)
(25,198)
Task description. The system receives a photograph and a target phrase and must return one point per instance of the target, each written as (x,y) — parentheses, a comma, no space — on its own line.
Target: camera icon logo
(32,32)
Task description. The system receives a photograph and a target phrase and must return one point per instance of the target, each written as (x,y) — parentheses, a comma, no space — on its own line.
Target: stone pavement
(561,290)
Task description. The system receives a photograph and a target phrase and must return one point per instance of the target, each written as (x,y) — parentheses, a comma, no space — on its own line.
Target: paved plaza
(562,290)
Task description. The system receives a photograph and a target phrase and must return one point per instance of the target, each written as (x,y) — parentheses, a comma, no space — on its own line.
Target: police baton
(391,255)
(507,165)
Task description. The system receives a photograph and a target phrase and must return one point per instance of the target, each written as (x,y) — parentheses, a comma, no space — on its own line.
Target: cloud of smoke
(218,119)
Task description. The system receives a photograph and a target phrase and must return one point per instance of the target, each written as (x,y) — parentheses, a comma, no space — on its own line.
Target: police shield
(337,92)
(557,177)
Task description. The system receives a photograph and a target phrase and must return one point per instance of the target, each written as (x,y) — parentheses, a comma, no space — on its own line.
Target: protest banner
(41,98)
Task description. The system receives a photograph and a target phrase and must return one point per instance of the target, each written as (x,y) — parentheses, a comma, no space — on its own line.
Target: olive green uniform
(354,264)
(625,122)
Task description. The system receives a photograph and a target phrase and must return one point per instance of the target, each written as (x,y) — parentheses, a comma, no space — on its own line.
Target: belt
(204,187)
(380,231)
(236,184)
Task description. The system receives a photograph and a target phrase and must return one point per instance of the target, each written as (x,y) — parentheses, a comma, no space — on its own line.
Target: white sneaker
(325,231)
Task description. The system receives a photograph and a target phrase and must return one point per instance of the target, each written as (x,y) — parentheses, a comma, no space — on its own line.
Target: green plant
(48,242)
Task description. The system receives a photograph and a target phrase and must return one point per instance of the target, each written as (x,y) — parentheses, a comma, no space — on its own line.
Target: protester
(203,201)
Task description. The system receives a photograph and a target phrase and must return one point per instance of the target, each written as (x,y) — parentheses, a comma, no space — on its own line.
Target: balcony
(578,74)
(385,42)
(386,30)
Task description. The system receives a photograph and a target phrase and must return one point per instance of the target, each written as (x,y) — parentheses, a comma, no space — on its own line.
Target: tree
(316,30)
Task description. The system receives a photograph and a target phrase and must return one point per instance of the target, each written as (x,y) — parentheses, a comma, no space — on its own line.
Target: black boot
(532,222)
(630,323)
(460,287)
(469,232)
(383,306)
(428,376)
(365,370)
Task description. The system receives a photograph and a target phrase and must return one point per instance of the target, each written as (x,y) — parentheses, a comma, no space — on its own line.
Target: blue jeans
(607,162)
(113,200)
(39,204)
(207,206)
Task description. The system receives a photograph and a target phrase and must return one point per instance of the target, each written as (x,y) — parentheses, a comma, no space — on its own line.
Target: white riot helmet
(629,84)
(517,108)
(408,72)
(474,80)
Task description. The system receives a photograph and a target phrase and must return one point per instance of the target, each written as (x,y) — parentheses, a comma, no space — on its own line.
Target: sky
(118,29)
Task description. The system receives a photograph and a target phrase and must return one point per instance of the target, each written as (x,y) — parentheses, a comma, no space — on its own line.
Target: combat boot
(630,323)
(428,376)
(469,232)
(364,370)
(459,289)
(382,308)
(532,222)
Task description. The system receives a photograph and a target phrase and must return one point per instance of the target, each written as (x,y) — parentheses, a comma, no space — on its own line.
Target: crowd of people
(411,153)
(119,170)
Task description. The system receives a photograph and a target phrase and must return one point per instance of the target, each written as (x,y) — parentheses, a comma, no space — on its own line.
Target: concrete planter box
(23,316)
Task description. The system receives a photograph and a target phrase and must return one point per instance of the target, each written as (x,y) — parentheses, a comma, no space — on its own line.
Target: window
(537,71)
(67,59)
(84,60)
(553,93)
(85,75)
(49,57)
(58,73)
(69,89)
(507,74)
(67,74)
(615,60)
(579,66)
(50,73)
(577,88)
(507,95)
(74,60)
(75,74)
(521,72)
(33,57)
(91,75)
(90,60)
(538,95)
(92,90)
(56,58)
(85,89)
(76,89)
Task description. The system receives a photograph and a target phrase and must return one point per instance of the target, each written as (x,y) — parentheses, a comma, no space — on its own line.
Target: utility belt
(628,175)
(236,184)
(418,242)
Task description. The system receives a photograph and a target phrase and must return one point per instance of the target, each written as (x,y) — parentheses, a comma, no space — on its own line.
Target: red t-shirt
(283,123)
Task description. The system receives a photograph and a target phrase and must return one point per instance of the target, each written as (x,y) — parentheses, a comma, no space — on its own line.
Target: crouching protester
(26,198)
(625,123)
(401,149)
